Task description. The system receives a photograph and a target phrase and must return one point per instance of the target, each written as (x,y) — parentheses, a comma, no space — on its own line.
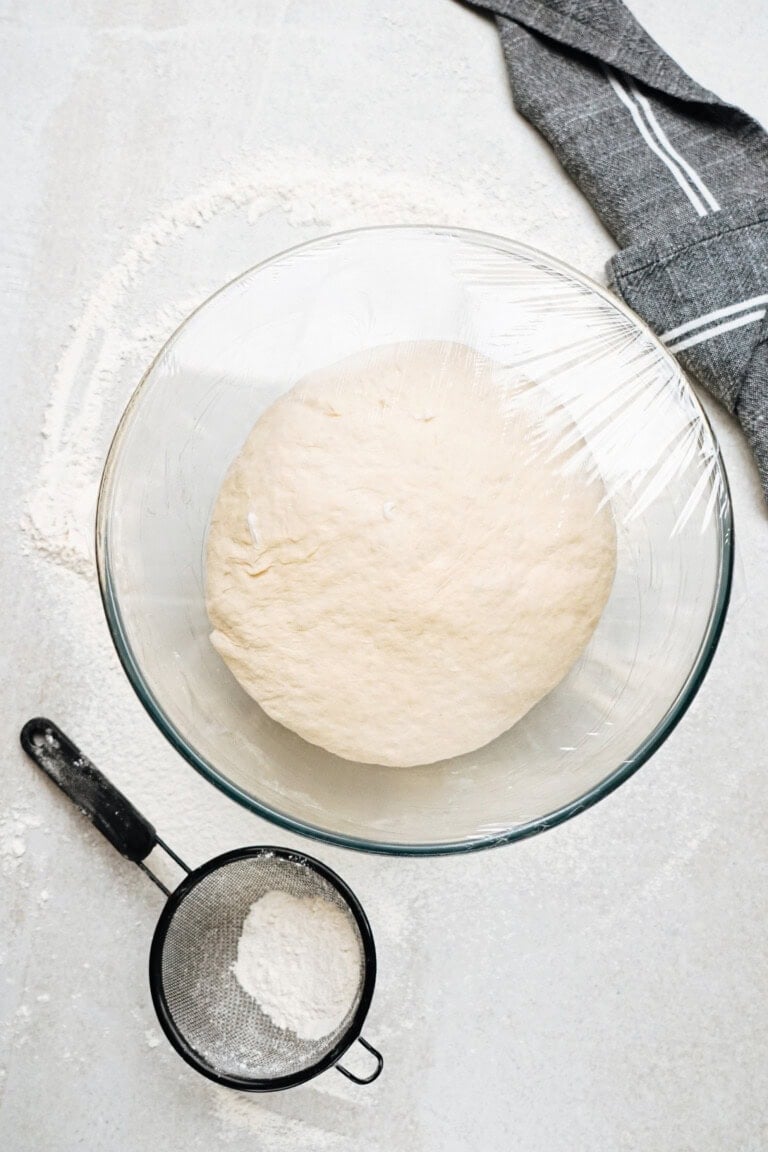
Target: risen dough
(402,561)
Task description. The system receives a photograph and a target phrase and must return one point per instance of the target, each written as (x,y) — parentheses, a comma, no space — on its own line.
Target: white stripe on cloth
(716,330)
(664,141)
(718,314)
(642,127)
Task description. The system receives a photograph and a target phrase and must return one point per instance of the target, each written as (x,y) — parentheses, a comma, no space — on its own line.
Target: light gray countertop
(602,986)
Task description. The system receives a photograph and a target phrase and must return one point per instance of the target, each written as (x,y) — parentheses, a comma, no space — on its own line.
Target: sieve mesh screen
(217,1018)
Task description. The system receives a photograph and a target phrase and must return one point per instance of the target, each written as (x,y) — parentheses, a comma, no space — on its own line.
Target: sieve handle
(106,807)
(376,1072)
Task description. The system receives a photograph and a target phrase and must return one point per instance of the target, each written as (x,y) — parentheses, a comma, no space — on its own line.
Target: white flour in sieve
(299,957)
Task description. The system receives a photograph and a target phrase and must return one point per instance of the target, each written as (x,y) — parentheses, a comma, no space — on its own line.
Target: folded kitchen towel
(679,177)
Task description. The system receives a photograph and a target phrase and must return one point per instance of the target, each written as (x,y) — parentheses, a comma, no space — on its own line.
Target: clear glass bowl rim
(622,772)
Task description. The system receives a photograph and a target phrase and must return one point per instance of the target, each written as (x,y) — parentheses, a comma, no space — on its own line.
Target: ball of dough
(403,559)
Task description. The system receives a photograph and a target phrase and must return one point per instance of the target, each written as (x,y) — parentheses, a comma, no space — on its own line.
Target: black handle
(106,808)
(376,1072)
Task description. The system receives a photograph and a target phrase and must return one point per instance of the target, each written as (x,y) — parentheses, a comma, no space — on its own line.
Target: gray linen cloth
(678,177)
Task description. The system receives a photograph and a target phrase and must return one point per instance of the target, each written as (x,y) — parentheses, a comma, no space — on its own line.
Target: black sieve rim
(177,1038)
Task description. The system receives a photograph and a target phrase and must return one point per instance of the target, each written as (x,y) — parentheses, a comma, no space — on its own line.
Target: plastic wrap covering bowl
(646,435)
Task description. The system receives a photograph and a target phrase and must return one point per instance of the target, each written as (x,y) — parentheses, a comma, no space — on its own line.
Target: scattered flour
(299,957)
(268,1125)
(110,346)
(14,825)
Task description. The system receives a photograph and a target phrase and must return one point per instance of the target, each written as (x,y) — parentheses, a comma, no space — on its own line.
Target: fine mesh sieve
(214,1024)
(206,1014)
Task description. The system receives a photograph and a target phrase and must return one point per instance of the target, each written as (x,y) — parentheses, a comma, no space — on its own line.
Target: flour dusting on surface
(14,825)
(270,1122)
(127,318)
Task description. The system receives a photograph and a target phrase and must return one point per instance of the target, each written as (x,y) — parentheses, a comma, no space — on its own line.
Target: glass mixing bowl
(646,433)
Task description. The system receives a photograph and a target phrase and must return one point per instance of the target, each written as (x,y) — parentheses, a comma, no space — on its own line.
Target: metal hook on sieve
(377,1070)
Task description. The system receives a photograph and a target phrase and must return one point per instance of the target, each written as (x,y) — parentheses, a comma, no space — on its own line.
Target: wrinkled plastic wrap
(612,402)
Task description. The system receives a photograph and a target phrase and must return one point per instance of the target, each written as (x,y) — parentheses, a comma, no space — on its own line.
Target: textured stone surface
(598,987)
